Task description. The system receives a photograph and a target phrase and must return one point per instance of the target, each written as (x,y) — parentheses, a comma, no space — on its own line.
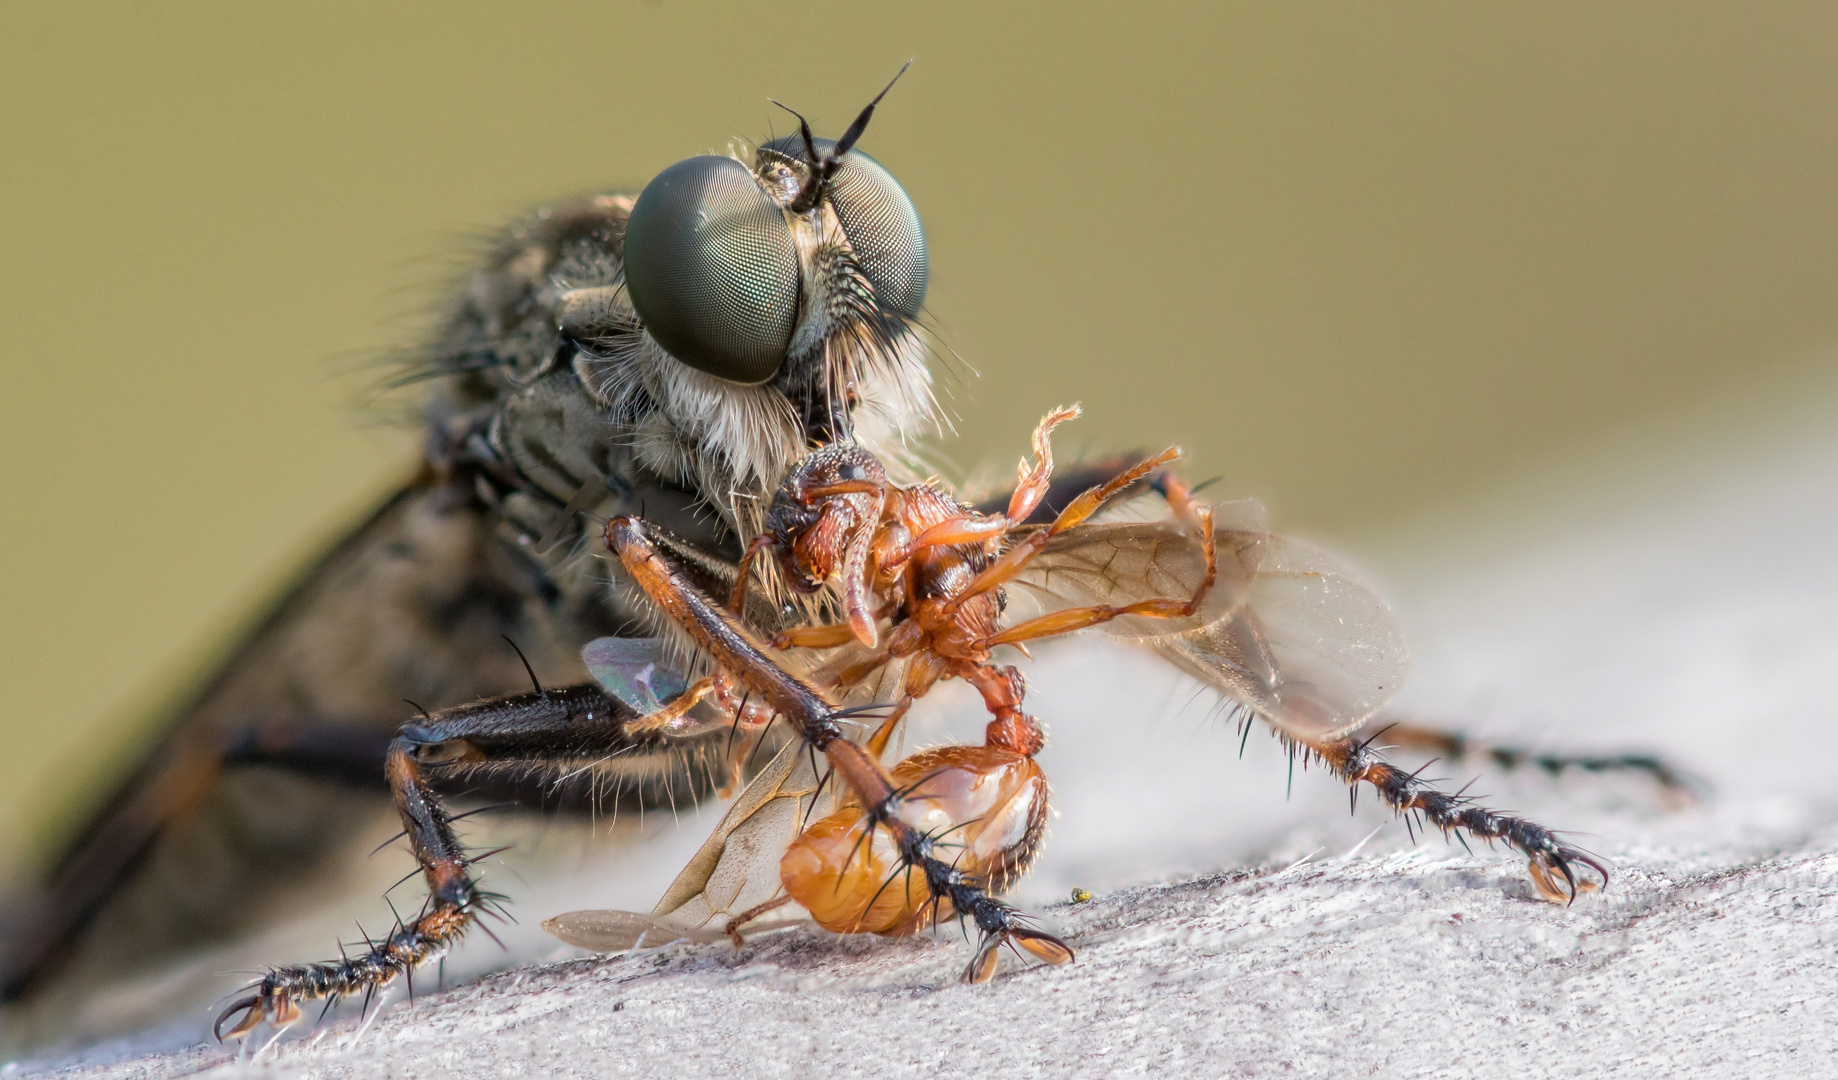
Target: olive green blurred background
(1361,259)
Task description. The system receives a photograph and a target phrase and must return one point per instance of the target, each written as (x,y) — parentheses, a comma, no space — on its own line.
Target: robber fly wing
(1287,632)
(1312,650)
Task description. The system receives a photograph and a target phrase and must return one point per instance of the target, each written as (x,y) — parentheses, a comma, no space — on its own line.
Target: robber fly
(663,362)
(671,354)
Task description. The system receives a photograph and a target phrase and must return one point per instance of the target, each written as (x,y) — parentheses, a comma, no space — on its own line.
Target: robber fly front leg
(524,748)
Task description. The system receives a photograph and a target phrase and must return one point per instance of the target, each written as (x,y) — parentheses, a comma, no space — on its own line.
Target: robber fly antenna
(804,131)
(824,165)
(847,142)
(526,662)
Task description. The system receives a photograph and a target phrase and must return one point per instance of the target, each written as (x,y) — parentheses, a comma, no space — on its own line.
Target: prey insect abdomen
(984,807)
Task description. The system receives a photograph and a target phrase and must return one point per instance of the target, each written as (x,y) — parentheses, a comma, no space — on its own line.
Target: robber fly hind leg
(1676,784)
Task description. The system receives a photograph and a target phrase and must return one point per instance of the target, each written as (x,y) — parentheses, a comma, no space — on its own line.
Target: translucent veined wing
(1287,631)
(639,672)
(735,870)
(634,671)
(1118,563)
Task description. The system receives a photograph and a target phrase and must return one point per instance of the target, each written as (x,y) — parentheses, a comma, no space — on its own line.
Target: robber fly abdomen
(670,354)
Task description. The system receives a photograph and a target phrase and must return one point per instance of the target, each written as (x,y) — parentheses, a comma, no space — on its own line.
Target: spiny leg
(524,747)
(1356,761)
(1454,746)
(735,649)
(177,779)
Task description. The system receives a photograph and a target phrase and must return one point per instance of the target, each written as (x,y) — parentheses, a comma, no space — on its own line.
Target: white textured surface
(1702,625)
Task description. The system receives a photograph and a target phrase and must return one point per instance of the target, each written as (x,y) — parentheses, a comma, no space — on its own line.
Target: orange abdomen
(986,809)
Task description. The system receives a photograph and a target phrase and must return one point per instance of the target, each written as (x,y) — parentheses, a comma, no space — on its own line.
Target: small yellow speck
(1081,896)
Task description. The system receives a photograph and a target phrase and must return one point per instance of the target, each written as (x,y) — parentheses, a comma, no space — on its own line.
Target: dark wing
(1287,631)
(190,847)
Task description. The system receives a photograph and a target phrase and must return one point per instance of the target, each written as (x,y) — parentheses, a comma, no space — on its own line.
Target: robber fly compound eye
(712,270)
(712,267)
(719,258)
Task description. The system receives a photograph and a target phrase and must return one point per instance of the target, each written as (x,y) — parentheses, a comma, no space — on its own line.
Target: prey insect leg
(524,747)
(1017,558)
(1180,499)
(815,719)
(1554,865)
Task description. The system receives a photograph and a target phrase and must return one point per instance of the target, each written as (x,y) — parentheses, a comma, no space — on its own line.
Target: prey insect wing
(734,871)
(1287,631)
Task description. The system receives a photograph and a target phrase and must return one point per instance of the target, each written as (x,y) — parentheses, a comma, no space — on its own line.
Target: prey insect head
(735,271)
(824,515)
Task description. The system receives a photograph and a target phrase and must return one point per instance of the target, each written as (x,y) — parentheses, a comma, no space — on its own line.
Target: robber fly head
(804,271)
